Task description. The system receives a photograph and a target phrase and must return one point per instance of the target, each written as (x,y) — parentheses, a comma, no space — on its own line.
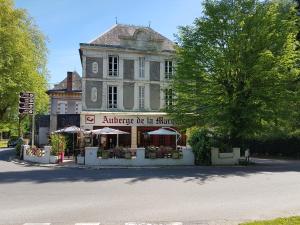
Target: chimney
(69,81)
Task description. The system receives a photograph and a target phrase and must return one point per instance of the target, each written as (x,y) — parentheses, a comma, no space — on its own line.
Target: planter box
(53,159)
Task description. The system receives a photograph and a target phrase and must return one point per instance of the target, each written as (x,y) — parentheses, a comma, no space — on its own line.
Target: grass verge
(295,220)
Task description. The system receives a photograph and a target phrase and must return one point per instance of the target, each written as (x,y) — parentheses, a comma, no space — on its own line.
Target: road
(190,195)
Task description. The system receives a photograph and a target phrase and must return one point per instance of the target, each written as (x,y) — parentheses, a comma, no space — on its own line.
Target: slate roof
(62,86)
(113,36)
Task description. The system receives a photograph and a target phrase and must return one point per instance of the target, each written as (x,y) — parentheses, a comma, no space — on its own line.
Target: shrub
(201,140)
(278,146)
(58,143)
(19,146)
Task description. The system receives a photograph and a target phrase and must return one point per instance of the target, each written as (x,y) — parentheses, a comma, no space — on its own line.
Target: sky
(66,23)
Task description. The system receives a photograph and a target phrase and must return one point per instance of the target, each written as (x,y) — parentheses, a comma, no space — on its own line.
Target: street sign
(25,111)
(26,95)
(26,103)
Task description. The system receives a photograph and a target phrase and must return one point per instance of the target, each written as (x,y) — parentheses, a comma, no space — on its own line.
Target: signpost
(26,106)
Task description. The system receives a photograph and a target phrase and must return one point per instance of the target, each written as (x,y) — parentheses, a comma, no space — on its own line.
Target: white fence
(37,156)
(91,159)
(228,158)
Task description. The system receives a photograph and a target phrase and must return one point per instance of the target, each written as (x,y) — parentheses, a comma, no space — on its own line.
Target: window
(112,97)
(62,107)
(141,67)
(95,67)
(168,69)
(168,98)
(141,97)
(78,107)
(113,64)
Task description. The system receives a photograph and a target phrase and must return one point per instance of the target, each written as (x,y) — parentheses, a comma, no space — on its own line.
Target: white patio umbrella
(70,130)
(166,131)
(108,130)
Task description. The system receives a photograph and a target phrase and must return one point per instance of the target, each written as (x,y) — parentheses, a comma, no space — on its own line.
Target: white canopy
(108,130)
(71,129)
(162,131)
(165,131)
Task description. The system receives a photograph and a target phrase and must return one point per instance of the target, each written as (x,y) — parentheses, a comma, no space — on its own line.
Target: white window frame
(141,97)
(141,67)
(168,97)
(59,107)
(78,107)
(95,67)
(112,97)
(113,65)
(168,69)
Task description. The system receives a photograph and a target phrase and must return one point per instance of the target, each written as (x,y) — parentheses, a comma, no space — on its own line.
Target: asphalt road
(191,195)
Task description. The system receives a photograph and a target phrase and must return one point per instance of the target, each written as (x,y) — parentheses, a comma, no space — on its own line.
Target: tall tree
(236,67)
(22,61)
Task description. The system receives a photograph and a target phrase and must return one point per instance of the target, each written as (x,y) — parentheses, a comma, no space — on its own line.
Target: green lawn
(3,143)
(295,220)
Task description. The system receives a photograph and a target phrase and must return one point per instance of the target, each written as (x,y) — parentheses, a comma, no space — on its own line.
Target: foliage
(275,147)
(294,220)
(201,140)
(18,148)
(58,143)
(22,63)
(236,69)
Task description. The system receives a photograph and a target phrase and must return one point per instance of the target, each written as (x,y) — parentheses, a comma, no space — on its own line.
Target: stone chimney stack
(69,81)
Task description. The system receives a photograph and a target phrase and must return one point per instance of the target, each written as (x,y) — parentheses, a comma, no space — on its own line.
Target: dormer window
(95,67)
(113,65)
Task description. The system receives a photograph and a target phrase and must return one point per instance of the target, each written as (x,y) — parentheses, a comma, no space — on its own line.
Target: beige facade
(125,73)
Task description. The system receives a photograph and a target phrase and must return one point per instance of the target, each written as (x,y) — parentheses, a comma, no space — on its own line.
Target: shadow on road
(188,174)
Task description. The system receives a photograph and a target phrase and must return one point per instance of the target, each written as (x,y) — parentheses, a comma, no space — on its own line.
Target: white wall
(91,159)
(45,159)
(230,158)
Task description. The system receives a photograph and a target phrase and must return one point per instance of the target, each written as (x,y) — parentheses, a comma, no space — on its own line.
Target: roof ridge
(103,33)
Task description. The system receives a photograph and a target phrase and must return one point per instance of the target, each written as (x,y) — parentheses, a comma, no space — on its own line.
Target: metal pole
(32,132)
(73,146)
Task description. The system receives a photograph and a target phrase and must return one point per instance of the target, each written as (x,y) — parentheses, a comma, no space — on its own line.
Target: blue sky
(66,23)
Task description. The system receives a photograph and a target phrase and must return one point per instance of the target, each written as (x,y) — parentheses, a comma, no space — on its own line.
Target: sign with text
(26,103)
(128,120)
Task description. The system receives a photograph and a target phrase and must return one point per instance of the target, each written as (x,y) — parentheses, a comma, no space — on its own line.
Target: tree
(22,62)
(236,68)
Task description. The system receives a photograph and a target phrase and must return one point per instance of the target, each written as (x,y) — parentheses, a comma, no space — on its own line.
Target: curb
(25,163)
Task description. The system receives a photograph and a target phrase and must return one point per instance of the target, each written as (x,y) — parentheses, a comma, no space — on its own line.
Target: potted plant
(175,154)
(58,144)
(152,152)
(105,154)
(127,154)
